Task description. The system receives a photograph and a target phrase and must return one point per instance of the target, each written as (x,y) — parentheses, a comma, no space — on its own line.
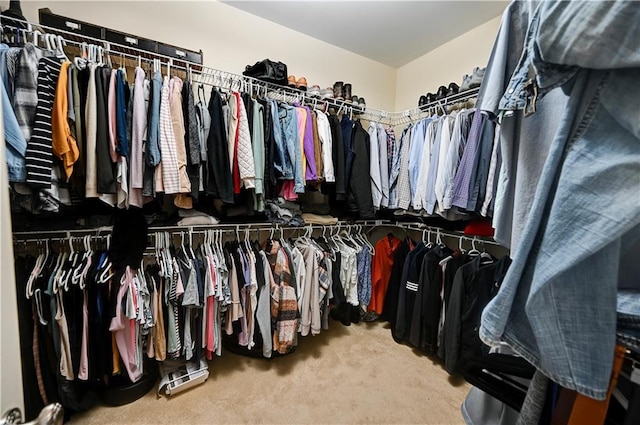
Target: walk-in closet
(320,212)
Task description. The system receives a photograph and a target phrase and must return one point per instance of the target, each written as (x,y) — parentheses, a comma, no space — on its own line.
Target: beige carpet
(354,375)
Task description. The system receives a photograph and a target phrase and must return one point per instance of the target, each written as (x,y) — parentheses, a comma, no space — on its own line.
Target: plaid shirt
(402,188)
(25,96)
(465,169)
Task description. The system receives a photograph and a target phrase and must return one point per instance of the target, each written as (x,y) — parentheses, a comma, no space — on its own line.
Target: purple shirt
(309,148)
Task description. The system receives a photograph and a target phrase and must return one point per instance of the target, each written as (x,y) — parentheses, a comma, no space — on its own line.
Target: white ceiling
(393,32)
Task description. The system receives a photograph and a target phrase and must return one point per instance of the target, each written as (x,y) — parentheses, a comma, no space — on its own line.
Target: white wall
(445,64)
(10,363)
(231,38)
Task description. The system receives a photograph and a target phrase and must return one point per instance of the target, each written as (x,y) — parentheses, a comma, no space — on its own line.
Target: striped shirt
(170,176)
(39,156)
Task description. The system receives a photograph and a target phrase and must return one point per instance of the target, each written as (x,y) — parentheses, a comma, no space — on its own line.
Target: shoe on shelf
(441,93)
(291,81)
(314,90)
(338,90)
(452,89)
(466,81)
(301,84)
(476,77)
(326,93)
(362,104)
(354,102)
(422,101)
(430,98)
(347,91)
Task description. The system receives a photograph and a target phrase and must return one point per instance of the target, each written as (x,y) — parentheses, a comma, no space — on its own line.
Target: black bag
(269,71)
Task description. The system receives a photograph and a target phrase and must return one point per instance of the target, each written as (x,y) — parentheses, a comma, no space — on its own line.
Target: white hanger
(62,43)
(41,260)
(36,34)
(47,41)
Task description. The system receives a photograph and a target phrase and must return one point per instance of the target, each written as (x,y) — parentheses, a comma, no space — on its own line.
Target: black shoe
(442,93)
(338,88)
(453,89)
(347,92)
(430,98)
(355,314)
(422,101)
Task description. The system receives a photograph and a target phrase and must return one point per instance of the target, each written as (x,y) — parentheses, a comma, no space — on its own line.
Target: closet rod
(112,53)
(416,227)
(211,75)
(104,231)
(208,76)
(32,26)
(206,73)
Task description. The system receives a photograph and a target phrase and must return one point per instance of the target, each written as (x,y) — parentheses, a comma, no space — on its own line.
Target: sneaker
(314,90)
(370,316)
(301,84)
(291,81)
(466,81)
(326,93)
(476,77)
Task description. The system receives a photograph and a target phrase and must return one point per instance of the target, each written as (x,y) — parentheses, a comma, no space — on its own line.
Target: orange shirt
(381,271)
(64,145)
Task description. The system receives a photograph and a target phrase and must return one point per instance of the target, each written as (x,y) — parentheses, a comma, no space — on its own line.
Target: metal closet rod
(384,117)
(417,227)
(32,26)
(104,231)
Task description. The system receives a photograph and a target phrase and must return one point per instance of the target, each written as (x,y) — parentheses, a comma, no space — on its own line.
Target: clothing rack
(218,78)
(103,232)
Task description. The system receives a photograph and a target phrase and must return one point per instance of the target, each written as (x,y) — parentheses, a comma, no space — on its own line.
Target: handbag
(268,71)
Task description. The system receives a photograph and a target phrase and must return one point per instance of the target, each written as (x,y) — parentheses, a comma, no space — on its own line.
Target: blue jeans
(289,120)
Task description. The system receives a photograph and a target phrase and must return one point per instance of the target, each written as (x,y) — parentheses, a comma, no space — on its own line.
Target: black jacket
(105,168)
(359,196)
(219,182)
(473,287)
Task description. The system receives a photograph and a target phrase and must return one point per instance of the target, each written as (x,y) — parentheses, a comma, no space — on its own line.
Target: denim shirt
(15,144)
(289,122)
(281,165)
(557,304)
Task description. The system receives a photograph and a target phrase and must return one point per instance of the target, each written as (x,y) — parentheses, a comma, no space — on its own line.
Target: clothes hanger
(37,295)
(47,41)
(59,272)
(372,249)
(61,44)
(37,268)
(89,259)
(473,252)
(193,255)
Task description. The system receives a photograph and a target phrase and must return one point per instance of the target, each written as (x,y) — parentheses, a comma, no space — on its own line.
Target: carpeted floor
(354,374)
